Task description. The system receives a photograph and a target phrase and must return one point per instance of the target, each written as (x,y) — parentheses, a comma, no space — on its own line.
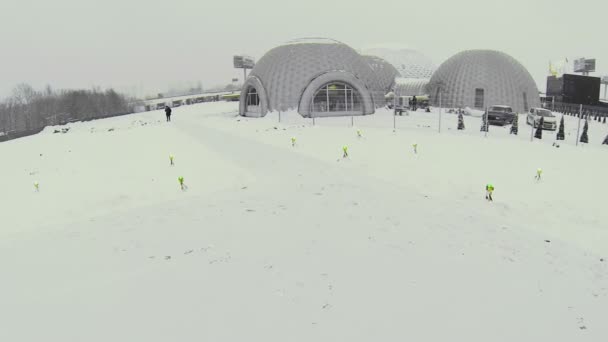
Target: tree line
(28,111)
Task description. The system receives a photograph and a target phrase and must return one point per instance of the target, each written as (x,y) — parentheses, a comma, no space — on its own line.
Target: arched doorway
(252,101)
(336,93)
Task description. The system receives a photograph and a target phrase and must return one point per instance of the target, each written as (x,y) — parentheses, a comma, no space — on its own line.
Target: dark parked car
(500,115)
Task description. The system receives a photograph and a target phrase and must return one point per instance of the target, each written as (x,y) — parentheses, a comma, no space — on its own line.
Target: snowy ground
(279,243)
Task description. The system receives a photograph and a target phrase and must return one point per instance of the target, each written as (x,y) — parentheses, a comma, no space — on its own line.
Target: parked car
(500,115)
(549,120)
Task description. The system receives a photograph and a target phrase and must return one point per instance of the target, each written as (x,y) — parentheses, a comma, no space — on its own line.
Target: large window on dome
(253,100)
(337,97)
(479,97)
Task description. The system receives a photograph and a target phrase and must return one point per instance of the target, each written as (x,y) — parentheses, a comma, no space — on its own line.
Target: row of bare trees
(30,110)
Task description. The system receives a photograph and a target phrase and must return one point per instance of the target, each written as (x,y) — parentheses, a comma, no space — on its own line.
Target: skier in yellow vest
(489,191)
(171,160)
(181,182)
(539,172)
(345,149)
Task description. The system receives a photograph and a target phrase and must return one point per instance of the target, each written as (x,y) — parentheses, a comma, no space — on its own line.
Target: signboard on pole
(243,62)
(584,65)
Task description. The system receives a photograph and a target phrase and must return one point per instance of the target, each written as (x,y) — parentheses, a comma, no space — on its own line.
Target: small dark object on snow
(515,125)
(602,260)
(539,130)
(583,327)
(605,141)
(485,127)
(547,241)
(460,122)
(584,136)
(167,257)
(111,130)
(560,133)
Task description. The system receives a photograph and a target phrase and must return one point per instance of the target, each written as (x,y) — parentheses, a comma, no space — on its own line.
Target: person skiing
(168,113)
(489,191)
(181,183)
(345,150)
(539,172)
(171,160)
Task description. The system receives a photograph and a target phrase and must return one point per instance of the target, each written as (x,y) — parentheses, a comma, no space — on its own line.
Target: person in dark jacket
(414,103)
(168,113)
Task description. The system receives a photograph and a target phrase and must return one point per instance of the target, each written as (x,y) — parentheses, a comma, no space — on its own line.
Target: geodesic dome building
(385,73)
(482,78)
(318,77)
(409,62)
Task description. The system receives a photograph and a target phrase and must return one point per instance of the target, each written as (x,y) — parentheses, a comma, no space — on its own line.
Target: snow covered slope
(279,243)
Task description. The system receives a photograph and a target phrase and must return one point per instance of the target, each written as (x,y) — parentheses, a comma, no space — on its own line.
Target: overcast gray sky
(152,45)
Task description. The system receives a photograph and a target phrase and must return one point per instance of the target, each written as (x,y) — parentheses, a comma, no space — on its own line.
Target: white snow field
(278,243)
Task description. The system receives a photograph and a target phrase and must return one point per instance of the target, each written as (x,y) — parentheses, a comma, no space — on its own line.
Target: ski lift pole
(580,115)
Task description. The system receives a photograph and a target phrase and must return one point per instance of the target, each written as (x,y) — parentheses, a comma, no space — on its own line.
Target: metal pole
(487,123)
(440,111)
(579,123)
(279,116)
(532,130)
(552,103)
(352,121)
(313,120)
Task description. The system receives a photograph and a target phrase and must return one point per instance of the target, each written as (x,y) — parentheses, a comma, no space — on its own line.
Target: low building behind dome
(318,77)
(482,78)
(411,86)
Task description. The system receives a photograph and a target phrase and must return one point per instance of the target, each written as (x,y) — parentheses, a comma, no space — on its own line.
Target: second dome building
(483,78)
